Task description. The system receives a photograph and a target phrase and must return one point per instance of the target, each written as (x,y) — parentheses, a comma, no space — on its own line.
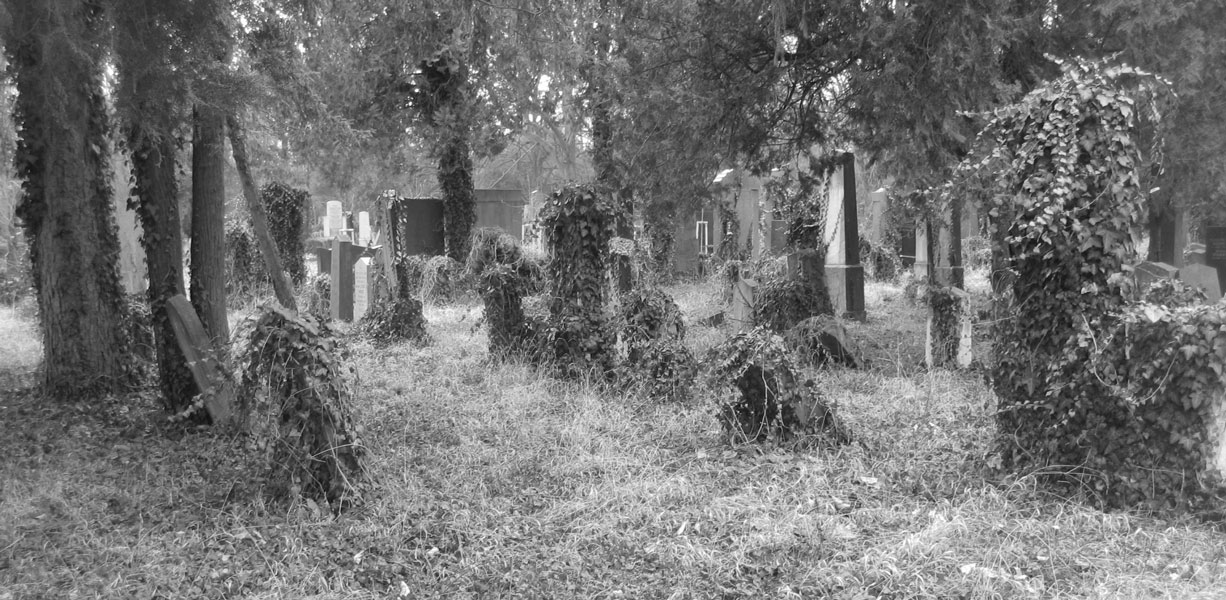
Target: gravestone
(878,201)
(1203,277)
(1149,272)
(363,228)
(921,266)
(362,285)
(335,218)
(207,371)
(344,255)
(906,248)
(844,273)
(742,304)
(1215,250)
(941,347)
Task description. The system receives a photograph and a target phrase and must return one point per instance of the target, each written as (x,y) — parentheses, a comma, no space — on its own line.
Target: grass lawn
(493,482)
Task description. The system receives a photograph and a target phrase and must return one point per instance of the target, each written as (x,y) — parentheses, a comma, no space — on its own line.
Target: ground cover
(495,482)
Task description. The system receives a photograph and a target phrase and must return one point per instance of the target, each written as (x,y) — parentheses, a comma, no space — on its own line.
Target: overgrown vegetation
(285,206)
(297,398)
(394,320)
(652,330)
(770,398)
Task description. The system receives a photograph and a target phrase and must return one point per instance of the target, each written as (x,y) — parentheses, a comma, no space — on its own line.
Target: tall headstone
(921,267)
(878,201)
(1215,250)
(844,273)
(344,255)
(362,295)
(336,221)
(363,229)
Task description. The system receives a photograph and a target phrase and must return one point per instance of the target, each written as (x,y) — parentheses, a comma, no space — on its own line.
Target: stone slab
(1203,277)
(207,371)
(1149,272)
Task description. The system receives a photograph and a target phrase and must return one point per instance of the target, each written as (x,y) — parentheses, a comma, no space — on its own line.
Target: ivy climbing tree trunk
(444,105)
(65,207)
(153,168)
(208,259)
(259,219)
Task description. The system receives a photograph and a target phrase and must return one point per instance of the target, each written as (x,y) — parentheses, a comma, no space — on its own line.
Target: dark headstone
(344,256)
(844,273)
(207,370)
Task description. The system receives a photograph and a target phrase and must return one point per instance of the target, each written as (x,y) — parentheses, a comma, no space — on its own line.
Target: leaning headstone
(1203,277)
(742,304)
(1215,250)
(844,273)
(361,288)
(1149,272)
(878,201)
(207,371)
(336,221)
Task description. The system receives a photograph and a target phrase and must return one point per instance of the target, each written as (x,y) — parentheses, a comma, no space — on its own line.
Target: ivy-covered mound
(577,223)
(653,334)
(504,276)
(946,305)
(297,395)
(393,320)
(762,396)
(441,280)
(781,303)
(1107,397)
(823,340)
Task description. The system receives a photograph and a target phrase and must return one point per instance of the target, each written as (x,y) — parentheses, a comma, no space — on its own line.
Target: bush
(881,263)
(652,330)
(297,394)
(394,320)
(504,274)
(761,396)
(780,304)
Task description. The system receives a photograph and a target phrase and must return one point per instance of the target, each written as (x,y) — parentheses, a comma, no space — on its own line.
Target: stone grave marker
(878,201)
(207,371)
(844,273)
(362,295)
(336,221)
(1215,250)
(947,251)
(742,304)
(921,265)
(1204,277)
(1149,272)
(363,228)
(344,255)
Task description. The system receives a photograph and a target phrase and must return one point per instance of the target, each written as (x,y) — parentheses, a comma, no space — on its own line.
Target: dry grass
(493,482)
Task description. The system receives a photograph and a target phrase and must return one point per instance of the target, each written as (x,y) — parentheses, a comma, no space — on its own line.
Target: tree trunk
(153,168)
(208,259)
(66,207)
(259,220)
(455,178)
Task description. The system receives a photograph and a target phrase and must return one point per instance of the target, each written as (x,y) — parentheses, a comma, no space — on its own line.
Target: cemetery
(365,316)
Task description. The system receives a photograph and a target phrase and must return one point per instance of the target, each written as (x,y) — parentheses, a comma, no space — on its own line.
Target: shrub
(761,396)
(394,320)
(880,262)
(823,340)
(504,274)
(652,330)
(780,304)
(284,206)
(297,394)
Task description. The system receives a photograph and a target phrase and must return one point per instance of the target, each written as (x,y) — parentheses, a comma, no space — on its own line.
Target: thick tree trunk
(208,259)
(259,220)
(66,206)
(153,167)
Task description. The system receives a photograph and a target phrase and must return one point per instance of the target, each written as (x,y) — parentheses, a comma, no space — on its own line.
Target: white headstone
(361,288)
(835,236)
(327,230)
(921,251)
(363,228)
(336,220)
(877,203)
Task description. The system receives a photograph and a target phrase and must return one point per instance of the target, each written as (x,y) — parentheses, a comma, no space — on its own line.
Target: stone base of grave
(846,286)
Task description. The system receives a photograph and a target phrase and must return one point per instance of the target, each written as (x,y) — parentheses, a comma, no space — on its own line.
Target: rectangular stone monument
(922,267)
(1215,250)
(878,201)
(362,281)
(844,273)
(344,255)
(1149,272)
(336,220)
(742,304)
(1203,277)
(363,229)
